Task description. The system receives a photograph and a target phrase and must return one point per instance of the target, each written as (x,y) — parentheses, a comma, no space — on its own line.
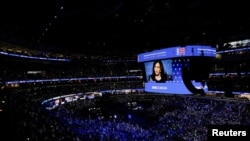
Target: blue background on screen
(179,51)
(171,87)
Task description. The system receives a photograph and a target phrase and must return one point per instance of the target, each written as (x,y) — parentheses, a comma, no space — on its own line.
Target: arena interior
(71,72)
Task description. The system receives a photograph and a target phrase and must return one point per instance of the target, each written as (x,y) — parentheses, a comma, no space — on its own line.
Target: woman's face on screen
(157,69)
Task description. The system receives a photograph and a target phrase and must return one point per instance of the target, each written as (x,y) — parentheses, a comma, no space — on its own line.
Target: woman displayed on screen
(158,72)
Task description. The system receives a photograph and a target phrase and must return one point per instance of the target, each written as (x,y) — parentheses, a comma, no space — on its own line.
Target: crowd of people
(162,117)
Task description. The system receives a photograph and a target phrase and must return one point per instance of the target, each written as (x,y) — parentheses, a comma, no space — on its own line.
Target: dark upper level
(150,24)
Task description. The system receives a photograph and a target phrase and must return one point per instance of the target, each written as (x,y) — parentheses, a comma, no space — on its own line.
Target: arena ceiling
(115,24)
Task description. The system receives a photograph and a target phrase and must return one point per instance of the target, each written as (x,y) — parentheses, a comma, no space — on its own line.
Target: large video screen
(163,68)
(165,76)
